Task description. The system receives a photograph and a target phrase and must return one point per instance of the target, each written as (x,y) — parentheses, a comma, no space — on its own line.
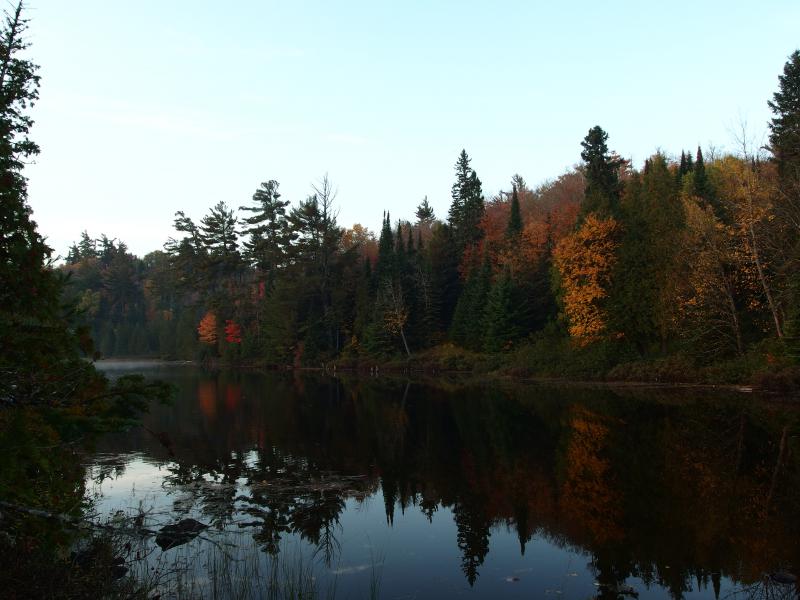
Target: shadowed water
(430,489)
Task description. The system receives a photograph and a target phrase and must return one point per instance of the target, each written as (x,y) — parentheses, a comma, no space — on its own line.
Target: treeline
(697,257)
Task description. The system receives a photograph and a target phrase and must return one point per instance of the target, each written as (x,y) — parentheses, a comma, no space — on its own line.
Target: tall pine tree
(602,175)
(467,207)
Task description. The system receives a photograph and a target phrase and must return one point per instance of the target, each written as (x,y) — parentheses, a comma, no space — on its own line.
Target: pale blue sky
(150,107)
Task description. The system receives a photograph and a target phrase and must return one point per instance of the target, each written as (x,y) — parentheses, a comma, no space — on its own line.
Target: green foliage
(601,173)
(468,328)
(514,227)
(502,321)
(269,233)
(652,216)
(792,324)
(785,125)
(550,353)
(467,207)
(424,212)
(305,291)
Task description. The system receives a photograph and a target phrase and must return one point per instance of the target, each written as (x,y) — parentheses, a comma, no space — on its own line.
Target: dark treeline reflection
(679,491)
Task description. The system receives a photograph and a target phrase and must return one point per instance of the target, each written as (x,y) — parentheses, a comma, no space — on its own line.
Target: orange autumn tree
(584,261)
(589,494)
(207,330)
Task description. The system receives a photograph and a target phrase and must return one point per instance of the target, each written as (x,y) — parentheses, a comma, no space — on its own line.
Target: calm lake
(384,487)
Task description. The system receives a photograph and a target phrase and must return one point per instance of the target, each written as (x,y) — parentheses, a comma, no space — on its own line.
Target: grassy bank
(765,367)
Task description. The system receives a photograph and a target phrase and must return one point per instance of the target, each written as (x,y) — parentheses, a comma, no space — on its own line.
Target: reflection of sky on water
(414,557)
(670,492)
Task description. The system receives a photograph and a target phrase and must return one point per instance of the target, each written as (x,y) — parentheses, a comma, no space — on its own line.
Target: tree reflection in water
(677,489)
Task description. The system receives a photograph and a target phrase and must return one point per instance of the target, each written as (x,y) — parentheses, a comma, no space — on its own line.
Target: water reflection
(676,491)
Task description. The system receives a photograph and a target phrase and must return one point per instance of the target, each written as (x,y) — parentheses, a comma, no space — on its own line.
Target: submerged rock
(179,533)
(783,578)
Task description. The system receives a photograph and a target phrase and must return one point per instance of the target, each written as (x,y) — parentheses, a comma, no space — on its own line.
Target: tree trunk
(735,319)
(403,336)
(781,449)
(773,309)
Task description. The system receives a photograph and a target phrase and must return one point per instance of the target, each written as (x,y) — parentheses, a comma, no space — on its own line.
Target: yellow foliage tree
(585,260)
(748,188)
(711,280)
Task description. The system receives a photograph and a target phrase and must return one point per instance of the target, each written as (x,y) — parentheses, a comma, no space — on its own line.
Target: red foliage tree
(233,332)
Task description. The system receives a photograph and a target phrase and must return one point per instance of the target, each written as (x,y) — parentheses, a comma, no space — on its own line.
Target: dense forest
(682,264)
(686,269)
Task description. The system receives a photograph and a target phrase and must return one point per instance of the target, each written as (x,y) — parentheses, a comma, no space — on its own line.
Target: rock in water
(179,533)
(783,578)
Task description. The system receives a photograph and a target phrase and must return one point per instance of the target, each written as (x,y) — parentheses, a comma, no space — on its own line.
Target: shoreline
(392,369)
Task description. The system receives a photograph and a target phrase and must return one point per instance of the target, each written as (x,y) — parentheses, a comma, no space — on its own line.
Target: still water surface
(430,489)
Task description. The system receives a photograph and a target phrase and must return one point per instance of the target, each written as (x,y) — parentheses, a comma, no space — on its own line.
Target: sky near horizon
(152,107)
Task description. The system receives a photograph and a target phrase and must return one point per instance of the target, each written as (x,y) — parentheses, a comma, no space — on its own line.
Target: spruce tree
(35,338)
(43,359)
(601,172)
(681,167)
(384,268)
(502,323)
(514,227)
(424,212)
(445,286)
(467,207)
(785,125)
(467,328)
(703,189)
(653,219)
(701,185)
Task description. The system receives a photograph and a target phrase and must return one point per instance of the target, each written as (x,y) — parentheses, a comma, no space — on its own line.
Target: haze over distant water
(155,107)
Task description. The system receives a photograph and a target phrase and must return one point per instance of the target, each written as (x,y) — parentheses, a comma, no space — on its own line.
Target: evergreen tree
(467,328)
(218,232)
(268,231)
(518,182)
(87,246)
(424,212)
(792,324)
(108,249)
(514,227)
(467,208)
(681,167)
(364,300)
(653,218)
(384,268)
(502,322)
(700,181)
(785,125)
(785,145)
(73,255)
(219,270)
(40,361)
(601,172)
(445,287)
(703,189)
